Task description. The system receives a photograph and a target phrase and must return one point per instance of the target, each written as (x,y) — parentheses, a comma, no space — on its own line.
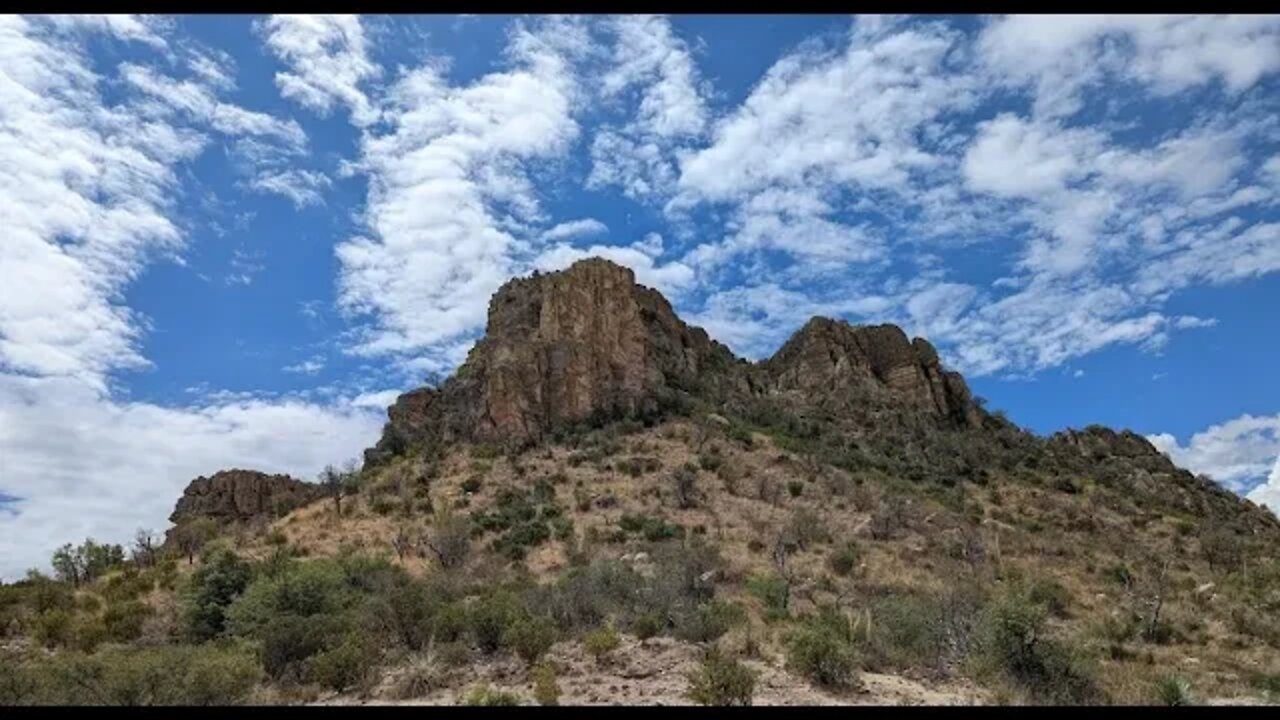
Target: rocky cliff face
(830,362)
(234,495)
(589,343)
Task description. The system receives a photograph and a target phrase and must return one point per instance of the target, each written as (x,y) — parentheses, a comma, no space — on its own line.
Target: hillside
(605,500)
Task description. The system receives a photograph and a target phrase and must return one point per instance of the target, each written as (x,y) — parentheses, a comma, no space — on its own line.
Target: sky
(231,241)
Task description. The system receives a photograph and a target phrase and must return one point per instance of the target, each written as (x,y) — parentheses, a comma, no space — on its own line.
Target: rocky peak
(235,495)
(561,348)
(589,343)
(832,361)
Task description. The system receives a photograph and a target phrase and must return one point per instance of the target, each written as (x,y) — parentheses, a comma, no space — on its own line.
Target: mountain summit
(588,344)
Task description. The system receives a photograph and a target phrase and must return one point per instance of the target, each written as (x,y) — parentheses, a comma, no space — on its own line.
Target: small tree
(145,549)
(449,538)
(684,482)
(191,535)
(86,562)
(403,542)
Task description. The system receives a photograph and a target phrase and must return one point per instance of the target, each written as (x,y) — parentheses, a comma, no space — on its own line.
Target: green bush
(545,688)
(601,642)
(485,696)
(531,637)
(210,674)
(212,587)
(53,627)
(490,618)
(827,658)
(772,591)
(288,643)
(845,558)
(721,680)
(347,665)
(1173,691)
(1014,641)
(709,621)
(124,621)
(647,625)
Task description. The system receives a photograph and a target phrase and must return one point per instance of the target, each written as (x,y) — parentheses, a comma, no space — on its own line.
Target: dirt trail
(652,672)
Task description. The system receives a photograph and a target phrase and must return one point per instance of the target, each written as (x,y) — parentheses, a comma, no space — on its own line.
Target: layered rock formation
(588,343)
(239,495)
(830,362)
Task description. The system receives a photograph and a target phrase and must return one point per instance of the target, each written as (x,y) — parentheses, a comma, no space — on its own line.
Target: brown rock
(235,495)
(587,344)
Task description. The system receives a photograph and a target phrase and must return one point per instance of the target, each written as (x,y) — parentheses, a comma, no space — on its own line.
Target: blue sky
(232,240)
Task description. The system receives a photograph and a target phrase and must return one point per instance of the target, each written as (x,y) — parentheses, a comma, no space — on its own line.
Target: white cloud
(449,199)
(1268,493)
(575,228)
(1061,56)
(85,465)
(86,190)
(672,279)
(640,155)
(328,61)
(310,366)
(302,187)
(1236,453)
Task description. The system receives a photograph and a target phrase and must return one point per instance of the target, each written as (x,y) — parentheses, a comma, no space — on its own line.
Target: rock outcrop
(241,495)
(587,343)
(831,362)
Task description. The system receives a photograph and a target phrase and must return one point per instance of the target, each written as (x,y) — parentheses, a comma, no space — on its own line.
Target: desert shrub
(845,558)
(449,538)
(288,643)
(530,637)
(545,688)
(711,459)
(346,665)
(647,625)
(1172,690)
(1050,594)
(472,484)
(772,591)
(827,658)
(795,488)
(210,674)
(1014,642)
(684,483)
(87,633)
(709,621)
(599,643)
(888,518)
(486,696)
(212,587)
(651,528)
(123,621)
(303,589)
(806,528)
(909,630)
(490,618)
(721,680)
(53,627)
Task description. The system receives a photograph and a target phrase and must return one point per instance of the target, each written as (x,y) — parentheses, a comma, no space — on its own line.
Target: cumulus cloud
(639,156)
(84,465)
(575,228)
(1236,453)
(301,187)
(328,61)
(450,202)
(89,191)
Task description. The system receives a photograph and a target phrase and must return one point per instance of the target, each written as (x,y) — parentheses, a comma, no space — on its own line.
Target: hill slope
(604,499)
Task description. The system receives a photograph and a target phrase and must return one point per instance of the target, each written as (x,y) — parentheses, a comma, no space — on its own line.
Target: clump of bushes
(721,680)
(486,696)
(821,648)
(545,688)
(651,528)
(601,642)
